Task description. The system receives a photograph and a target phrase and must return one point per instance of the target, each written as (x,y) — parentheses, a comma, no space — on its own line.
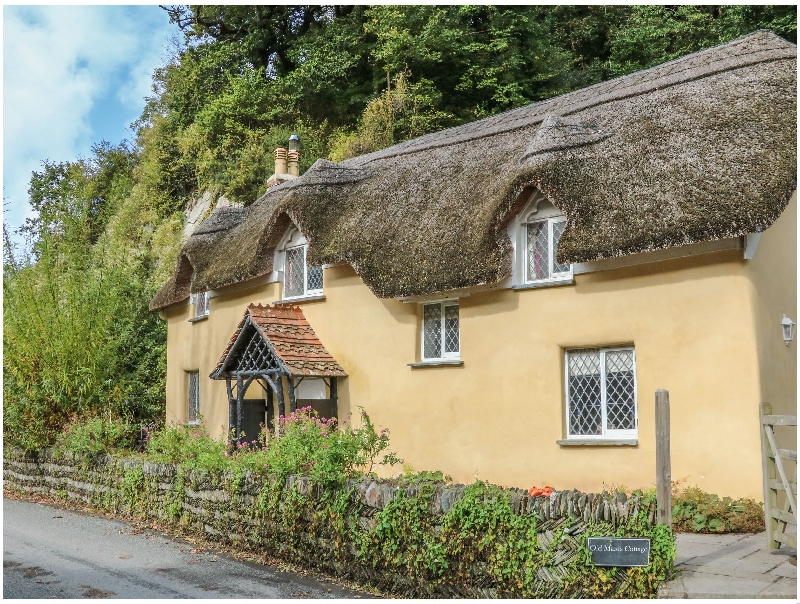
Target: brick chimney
(287,164)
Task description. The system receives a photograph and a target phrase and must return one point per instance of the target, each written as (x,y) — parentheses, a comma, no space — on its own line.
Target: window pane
(201,305)
(314,278)
(293,284)
(620,400)
(194,397)
(585,411)
(432,331)
(538,258)
(451,328)
(558,228)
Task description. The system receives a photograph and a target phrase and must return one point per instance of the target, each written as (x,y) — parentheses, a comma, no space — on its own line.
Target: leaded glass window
(601,392)
(299,278)
(440,337)
(200,305)
(294,274)
(313,278)
(541,243)
(193,414)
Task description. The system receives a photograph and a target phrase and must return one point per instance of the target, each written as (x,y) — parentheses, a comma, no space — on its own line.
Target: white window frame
(189,420)
(445,355)
(204,307)
(551,259)
(538,209)
(606,434)
(294,239)
(306,292)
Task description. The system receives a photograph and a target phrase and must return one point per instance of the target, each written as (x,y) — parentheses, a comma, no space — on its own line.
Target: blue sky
(72,76)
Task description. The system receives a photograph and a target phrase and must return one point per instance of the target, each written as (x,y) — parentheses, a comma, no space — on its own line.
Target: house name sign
(612,551)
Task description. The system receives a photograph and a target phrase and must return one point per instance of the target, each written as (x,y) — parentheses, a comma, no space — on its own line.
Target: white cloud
(58,62)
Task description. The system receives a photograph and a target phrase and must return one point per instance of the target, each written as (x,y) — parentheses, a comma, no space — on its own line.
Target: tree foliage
(353,79)
(77,335)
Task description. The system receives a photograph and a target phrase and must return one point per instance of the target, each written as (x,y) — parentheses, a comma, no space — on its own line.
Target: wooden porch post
(231,418)
(270,406)
(279,392)
(239,395)
(292,397)
(335,398)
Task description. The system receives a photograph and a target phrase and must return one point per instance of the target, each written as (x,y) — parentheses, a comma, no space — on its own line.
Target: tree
(264,33)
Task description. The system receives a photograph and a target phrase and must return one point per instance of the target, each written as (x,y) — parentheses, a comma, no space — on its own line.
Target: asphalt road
(50,552)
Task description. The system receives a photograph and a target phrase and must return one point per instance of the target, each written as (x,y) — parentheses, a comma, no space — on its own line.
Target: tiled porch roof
(292,338)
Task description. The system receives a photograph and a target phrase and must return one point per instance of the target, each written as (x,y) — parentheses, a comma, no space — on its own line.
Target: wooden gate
(774,461)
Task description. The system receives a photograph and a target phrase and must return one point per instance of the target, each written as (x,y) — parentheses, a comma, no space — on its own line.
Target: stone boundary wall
(221,507)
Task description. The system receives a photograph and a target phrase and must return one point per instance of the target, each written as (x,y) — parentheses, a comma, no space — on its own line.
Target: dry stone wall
(338,532)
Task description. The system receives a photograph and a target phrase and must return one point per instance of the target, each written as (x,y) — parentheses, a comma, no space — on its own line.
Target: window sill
(538,284)
(301,299)
(196,319)
(598,442)
(437,362)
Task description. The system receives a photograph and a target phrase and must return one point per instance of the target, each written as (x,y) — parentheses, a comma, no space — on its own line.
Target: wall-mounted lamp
(788,329)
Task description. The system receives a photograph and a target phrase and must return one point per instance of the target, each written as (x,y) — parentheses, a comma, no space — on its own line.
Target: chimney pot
(280,161)
(294,163)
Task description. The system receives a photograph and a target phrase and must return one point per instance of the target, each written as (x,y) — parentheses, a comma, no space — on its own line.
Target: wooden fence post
(663,463)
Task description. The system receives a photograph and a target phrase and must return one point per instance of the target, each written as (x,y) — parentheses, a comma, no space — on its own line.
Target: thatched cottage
(506,296)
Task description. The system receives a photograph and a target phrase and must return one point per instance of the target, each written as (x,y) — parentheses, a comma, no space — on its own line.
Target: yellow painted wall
(499,415)
(773,276)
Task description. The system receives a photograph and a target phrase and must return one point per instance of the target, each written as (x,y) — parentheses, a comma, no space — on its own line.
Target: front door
(253,415)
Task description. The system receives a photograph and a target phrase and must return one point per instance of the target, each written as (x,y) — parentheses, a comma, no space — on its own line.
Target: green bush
(695,511)
(315,447)
(306,445)
(96,435)
(189,446)
(410,477)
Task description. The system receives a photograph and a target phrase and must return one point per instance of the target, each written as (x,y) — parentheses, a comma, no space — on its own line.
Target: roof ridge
(450,136)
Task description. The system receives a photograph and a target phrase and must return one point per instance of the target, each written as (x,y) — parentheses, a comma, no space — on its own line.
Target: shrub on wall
(95,434)
(305,445)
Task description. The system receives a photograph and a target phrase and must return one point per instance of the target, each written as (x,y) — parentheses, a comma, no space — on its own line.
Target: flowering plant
(309,445)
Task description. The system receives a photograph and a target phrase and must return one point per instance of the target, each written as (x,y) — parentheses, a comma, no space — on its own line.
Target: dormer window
(536,233)
(541,243)
(299,279)
(200,302)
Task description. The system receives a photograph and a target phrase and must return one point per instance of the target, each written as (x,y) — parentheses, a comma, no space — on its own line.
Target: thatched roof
(221,219)
(700,148)
(290,336)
